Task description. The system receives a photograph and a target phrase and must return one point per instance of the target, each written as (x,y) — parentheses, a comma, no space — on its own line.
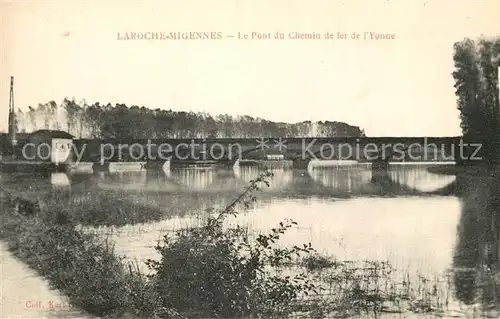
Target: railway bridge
(299,150)
(377,150)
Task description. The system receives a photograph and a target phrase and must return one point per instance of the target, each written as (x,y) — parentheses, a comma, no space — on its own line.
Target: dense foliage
(476,83)
(121,121)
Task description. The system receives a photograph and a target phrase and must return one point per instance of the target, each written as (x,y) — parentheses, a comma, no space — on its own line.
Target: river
(337,209)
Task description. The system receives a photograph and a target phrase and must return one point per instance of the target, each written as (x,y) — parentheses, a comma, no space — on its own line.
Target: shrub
(212,271)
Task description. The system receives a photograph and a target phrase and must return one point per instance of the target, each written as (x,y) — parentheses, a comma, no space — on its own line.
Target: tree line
(121,121)
(476,84)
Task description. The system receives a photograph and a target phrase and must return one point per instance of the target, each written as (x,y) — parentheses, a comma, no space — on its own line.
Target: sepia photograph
(249,159)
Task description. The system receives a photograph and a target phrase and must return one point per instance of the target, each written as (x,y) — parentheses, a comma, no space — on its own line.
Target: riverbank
(471,170)
(80,266)
(24,294)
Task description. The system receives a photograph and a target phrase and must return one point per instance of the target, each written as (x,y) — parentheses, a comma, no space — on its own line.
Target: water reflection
(343,178)
(281,179)
(194,178)
(418,177)
(337,181)
(476,257)
(59,180)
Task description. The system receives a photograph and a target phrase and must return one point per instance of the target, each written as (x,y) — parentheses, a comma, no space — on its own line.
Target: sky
(389,87)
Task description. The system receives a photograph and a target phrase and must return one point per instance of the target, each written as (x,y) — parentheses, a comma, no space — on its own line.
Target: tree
(53,113)
(19,119)
(121,121)
(72,112)
(32,118)
(476,84)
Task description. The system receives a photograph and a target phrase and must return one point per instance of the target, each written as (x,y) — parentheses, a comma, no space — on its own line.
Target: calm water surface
(337,210)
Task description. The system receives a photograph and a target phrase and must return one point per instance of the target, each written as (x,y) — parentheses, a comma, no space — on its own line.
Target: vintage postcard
(250,159)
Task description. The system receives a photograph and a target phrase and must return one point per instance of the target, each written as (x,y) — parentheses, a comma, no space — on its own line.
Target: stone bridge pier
(379,159)
(158,165)
(380,171)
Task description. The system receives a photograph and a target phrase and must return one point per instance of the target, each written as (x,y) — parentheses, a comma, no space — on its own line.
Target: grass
(117,208)
(83,268)
(93,206)
(354,288)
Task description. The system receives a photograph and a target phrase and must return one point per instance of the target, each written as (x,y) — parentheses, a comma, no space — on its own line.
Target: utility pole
(12,115)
